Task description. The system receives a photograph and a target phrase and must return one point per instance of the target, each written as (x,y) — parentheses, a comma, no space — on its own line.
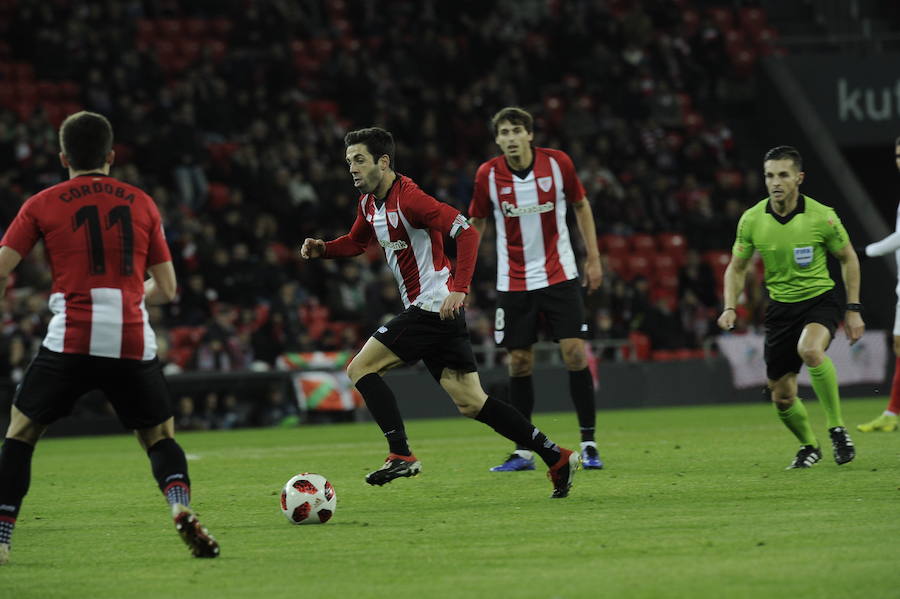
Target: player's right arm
(9,259)
(160,288)
(353,243)
(736,272)
(735,275)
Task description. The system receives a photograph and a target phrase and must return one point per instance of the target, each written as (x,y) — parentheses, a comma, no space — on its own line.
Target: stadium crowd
(231,114)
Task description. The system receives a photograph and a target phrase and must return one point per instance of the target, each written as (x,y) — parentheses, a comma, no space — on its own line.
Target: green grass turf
(695,502)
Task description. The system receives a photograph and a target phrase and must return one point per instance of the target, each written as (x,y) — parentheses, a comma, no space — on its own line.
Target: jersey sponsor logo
(513,210)
(545,183)
(393,245)
(803,256)
(393,218)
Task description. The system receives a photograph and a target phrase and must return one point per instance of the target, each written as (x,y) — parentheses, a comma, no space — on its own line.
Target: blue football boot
(515,463)
(590,458)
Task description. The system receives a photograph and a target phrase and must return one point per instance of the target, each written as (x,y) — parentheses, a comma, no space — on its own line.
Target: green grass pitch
(695,502)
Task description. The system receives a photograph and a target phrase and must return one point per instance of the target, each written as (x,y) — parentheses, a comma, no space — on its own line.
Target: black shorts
(784,324)
(516,320)
(416,334)
(53,381)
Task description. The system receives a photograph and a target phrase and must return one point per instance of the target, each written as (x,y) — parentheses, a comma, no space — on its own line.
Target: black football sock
(170,471)
(15,477)
(382,406)
(581,388)
(507,421)
(521,397)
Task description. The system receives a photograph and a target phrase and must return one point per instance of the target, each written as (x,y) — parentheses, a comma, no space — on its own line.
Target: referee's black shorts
(416,334)
(53,382)
(784,324)
(520,313)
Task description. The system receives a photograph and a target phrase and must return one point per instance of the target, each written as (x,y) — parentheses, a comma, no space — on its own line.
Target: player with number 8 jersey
(100,234)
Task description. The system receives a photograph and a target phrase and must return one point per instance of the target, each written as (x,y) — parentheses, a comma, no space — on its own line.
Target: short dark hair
(378,142)
(85,138)
(785,153)
(516,116)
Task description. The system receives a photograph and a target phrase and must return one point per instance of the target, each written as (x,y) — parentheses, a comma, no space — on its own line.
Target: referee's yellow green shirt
(793,248)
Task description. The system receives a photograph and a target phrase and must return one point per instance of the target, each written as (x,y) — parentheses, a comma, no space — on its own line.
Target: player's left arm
(853,321)
(426,212)
(584,217)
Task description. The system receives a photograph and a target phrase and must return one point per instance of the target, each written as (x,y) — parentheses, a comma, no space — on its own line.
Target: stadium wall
(621,385)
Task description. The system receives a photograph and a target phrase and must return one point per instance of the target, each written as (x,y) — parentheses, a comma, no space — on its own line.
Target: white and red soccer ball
(308,499)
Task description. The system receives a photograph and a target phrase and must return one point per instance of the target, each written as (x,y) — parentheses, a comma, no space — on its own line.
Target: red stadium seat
(613,244)
(170,28)
(146,30)
(673,244)
(640,343)
(752,19)
(7,96)
(189,49)
(220,27)
(638,265)
(69,90)
(722,17)
(22,71)
(218,195)
(48,90)
(642,243)
(718,260)
(26,91)
(215,49)
(194,28)
(664,262)
(616,263)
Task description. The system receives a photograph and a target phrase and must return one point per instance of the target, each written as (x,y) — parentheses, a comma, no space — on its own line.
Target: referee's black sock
(15,478)
(504,419)
(171,471)
(382,406)
(581,388)
(521,397)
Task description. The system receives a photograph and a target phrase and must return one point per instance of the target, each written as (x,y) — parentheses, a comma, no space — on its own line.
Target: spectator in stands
(696,277)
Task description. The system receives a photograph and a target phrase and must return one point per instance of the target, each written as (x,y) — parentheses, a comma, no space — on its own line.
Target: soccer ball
(308,499)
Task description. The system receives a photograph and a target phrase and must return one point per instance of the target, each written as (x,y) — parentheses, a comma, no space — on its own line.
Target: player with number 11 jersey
(101,235)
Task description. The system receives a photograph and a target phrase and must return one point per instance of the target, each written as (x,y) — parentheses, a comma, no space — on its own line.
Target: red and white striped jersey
(410,226)
(100,235)
(533,246)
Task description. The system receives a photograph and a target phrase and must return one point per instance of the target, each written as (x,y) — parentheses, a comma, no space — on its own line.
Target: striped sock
(178,492)
(6,528)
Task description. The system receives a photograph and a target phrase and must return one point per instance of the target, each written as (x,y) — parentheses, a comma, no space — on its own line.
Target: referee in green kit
(792,232)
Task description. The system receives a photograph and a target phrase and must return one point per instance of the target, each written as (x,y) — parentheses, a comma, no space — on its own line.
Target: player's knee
(468,399)
(521,363)
(811,355)
(575,357)
(357,369)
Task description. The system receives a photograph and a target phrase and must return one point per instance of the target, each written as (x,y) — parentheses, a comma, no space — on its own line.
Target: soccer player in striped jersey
(410,226)
(887,420)
(528,190)
(102,236)
(792,232)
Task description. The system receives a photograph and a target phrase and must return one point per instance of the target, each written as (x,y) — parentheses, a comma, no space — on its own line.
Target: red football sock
(894,404)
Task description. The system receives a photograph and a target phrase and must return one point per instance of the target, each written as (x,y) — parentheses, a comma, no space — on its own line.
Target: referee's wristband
(854,307)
